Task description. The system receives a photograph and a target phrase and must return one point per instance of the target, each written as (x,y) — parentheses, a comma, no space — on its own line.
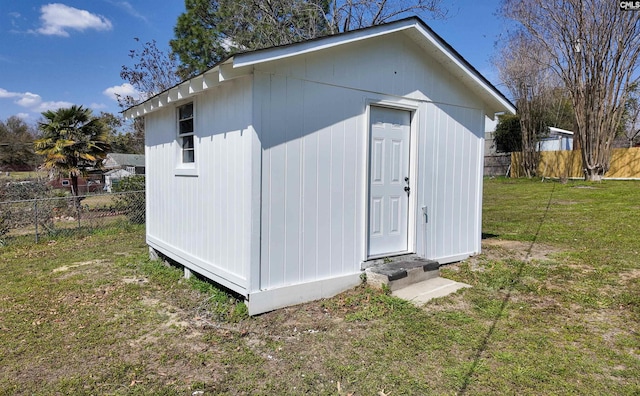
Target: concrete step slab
(400,274)
(421,292)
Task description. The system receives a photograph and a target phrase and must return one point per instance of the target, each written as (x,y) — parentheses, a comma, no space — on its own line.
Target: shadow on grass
(487,338)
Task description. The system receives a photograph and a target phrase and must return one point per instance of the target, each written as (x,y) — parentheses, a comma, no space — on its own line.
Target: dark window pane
(185,111)
(187,142)
(186,126)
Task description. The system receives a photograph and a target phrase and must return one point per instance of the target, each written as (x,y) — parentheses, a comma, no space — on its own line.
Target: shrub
(20,209)
(130,198)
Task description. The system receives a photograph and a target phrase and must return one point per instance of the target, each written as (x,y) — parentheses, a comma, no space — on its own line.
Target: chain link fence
(30,210)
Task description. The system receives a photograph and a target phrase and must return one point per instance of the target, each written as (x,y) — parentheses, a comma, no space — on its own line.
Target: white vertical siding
(205,220)
(311,180)
(450,168)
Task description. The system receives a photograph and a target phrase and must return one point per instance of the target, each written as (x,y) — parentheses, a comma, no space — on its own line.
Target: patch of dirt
(504,249)
(630,275)
(80,264)
(136,280)
(174,315)
(454,302)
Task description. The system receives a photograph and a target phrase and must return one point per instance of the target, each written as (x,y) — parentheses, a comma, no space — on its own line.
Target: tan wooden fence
(625,164)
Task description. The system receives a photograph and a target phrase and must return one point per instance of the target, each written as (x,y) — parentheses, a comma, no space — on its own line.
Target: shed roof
(413,27)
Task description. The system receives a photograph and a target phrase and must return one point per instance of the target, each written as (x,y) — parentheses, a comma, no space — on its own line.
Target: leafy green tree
(131,142)
(507,136)
(72,141)
(199,40)
(16,143)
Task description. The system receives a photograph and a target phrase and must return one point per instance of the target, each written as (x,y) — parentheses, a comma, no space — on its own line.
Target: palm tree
(72,141)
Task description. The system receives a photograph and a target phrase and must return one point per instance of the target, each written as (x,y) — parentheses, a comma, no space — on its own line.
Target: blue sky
(55,54)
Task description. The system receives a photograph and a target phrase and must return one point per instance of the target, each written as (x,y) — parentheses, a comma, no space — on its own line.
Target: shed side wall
(205,220)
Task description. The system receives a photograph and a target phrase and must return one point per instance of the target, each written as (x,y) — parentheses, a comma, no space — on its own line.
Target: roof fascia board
(229,71)
(463,66)
(560,130)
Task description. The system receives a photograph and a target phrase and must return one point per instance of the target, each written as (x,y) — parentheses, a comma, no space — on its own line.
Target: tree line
(17,137)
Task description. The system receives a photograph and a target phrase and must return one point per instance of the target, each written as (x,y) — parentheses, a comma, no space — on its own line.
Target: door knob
(407,189)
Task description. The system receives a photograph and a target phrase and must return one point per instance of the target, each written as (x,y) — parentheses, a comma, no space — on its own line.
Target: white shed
(557,140)
(281,173)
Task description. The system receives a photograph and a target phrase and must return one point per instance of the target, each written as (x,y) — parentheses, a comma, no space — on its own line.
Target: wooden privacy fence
(625,164)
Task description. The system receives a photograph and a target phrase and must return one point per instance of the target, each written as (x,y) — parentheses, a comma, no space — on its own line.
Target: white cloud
(44,106)
(97,106)
(32,102)
(23,116)
(58,18)
(6,94)
(29,100)
(126,6)
(125,89)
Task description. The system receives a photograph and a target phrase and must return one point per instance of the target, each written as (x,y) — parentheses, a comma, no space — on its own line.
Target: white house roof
(413,27)
(559,131)
(115,160)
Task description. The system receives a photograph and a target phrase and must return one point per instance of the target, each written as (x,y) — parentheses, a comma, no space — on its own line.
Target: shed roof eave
(180,91)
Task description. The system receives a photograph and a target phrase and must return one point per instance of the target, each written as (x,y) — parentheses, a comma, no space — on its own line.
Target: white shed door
(388,181)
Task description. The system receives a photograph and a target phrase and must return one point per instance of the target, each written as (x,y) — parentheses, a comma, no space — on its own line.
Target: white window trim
(186,168)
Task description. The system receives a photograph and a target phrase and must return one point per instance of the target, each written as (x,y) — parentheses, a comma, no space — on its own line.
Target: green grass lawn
(554,309)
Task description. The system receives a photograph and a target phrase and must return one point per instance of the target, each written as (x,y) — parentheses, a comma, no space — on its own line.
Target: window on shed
(185,132)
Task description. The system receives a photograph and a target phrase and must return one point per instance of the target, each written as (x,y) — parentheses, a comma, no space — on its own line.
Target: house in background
(86,184)
(282,173)
(118,166)
(133,163)
(558,140)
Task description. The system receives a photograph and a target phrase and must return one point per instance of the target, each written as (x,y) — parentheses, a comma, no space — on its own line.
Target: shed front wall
(203,217)
(311,112)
